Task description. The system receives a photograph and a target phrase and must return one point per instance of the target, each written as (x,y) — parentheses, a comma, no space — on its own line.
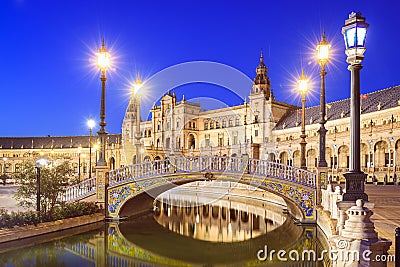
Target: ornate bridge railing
(80,190)
(213,164)
(145,170)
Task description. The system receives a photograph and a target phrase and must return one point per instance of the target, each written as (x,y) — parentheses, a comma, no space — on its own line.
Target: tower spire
(261,56)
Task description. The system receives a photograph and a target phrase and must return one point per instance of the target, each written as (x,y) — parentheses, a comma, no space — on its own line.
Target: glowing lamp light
(323,51)
(355,34)
(303,84)
(91,123)
(41,162)
(103,61)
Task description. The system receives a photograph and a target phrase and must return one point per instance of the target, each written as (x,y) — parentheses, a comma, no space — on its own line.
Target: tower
(260,104)
(131,133)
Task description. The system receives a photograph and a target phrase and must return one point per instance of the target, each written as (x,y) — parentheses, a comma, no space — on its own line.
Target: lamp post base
(101,186)
(355,186)
(322,181)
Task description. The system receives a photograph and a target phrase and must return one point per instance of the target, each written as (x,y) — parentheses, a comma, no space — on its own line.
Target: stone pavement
(386,215)
(7,200)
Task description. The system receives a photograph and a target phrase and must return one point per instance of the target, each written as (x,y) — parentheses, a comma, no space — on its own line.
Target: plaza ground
(386,215)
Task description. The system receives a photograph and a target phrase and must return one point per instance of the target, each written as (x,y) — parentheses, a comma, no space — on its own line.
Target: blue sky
(49,86)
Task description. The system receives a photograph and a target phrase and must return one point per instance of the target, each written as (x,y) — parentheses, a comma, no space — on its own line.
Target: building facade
(261,127)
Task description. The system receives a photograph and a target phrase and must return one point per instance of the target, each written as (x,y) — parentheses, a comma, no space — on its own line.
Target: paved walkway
(7,200)
(386,215)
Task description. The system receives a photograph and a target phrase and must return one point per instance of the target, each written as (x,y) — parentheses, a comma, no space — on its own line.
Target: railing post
(245,158)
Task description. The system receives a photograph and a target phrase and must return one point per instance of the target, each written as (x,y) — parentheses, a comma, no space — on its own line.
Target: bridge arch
(129,199)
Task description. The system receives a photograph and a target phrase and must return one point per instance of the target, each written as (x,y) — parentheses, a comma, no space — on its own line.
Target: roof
(386,98)
(53,141)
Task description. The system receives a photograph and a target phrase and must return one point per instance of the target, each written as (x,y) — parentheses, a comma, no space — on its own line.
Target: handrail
(180,164)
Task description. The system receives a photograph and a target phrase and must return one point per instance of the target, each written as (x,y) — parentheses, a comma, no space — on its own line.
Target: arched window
(191,142)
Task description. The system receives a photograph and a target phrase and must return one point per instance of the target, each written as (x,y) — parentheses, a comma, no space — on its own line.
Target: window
(158,127)
(212,125)
(230,122)
(256,133)
(235,140)
(217,124)
(256,118)
(194,125)
(224,124)
(206,126)
(237,122)
(178,124)
(389,159)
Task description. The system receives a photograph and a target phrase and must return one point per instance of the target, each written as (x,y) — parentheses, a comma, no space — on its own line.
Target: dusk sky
(50,87)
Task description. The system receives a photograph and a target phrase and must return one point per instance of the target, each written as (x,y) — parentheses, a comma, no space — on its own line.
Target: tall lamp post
(323,58)
(79,163)
(4,171)
(355,32)
(303,89)
(323,48)
(91,123)
(39,164)
(103,63)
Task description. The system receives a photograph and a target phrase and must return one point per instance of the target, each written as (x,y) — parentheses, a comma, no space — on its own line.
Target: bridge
(295,185)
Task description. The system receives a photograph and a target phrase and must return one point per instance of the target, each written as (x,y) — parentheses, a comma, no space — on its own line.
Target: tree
(53,179)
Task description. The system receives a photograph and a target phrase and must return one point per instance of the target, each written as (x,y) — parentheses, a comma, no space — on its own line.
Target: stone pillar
(322,181)
(335,197)
(358,243)
(101,185)
(326,197)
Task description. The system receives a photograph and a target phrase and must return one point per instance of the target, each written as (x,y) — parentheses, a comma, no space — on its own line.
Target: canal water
(184,228)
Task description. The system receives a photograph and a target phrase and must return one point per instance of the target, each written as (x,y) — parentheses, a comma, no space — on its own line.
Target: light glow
(323,51)
(303,84)
(41,162)
(91,123)
(103,58)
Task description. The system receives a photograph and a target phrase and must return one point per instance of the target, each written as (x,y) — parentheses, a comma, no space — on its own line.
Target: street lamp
(4,171)
(303,89)
(355,32)
(79,163)
(323,58)
(42,162)
(91,123)
(103,63)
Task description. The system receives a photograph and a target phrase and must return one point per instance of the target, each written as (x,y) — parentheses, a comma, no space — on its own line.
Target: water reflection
(223,220)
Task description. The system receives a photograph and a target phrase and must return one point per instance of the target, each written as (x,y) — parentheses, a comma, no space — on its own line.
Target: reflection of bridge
(114,249)
(294,184)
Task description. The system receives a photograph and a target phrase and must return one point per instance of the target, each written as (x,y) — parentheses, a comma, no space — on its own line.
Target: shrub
(64,211)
